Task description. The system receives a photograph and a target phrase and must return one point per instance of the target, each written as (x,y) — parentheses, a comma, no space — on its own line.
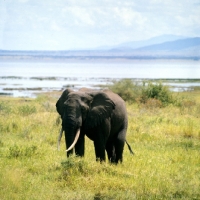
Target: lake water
(28,78)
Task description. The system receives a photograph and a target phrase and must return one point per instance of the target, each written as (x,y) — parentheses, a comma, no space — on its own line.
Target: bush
(143,93)
(127,89)
(156,91)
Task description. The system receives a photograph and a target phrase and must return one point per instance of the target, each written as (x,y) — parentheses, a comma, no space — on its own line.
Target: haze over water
(132,69)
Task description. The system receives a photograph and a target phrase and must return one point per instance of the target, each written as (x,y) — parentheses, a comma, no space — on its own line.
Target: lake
(29,78)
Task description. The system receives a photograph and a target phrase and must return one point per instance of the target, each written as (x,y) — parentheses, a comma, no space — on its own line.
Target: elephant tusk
(75,140)
(59,139)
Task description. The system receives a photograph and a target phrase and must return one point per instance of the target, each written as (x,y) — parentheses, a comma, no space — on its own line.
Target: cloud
(128,16)
(23,1)
(81,16)
(55,26)
(87,23)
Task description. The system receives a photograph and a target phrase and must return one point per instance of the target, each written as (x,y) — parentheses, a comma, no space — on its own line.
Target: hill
(155,48)
(151,41)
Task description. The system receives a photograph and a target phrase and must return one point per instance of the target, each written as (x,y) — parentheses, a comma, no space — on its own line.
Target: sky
(85,24)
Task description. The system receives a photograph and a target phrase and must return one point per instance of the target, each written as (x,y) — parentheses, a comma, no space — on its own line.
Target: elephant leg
(99,145)
(101,135)
(99,151)
(119,145)
(111,152)
(80,146)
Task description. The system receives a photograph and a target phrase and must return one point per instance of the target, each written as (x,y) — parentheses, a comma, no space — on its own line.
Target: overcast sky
(78,24)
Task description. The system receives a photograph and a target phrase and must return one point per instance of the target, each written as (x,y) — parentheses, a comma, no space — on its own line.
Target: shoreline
(95,60)
(27,78)
(19,90)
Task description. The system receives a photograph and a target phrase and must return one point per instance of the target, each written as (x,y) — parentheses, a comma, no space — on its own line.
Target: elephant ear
(61,100)
(101,108)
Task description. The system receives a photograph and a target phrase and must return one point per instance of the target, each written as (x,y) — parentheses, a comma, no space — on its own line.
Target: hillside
(187,48)
(151,41)
(177,45)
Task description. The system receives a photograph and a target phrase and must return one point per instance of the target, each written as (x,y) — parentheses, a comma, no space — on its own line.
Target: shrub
(156,91)
(127,89)
(143,93)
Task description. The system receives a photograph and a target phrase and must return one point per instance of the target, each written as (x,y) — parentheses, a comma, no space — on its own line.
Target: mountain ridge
(152,41)
(186,48)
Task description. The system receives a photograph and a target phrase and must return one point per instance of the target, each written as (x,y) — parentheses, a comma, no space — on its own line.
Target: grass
(166,164)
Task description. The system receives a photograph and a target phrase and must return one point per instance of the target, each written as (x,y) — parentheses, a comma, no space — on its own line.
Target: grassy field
(166,164)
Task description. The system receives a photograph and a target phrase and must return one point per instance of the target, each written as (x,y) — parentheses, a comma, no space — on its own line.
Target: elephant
(100,115)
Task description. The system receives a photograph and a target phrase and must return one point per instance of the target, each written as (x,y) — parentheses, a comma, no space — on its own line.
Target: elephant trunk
(71,123)
(75,140)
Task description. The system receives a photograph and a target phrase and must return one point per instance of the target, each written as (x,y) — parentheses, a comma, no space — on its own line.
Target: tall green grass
(166,164)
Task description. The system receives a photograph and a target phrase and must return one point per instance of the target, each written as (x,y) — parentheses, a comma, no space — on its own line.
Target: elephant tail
(129,147)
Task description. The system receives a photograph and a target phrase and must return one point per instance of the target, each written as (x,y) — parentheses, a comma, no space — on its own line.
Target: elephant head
(82,110)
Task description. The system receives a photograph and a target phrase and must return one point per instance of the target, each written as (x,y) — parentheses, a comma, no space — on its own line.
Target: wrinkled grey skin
(101,115)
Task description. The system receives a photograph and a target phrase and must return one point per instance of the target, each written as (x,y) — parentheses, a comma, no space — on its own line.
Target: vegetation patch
(27,109)
(127,89)
(164,137)
(20,151)
(150,93)
(23,89)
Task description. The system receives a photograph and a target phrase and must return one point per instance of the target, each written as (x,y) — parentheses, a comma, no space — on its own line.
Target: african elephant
(100,115)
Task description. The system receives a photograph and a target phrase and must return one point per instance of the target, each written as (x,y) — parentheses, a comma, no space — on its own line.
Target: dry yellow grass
(166,164)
